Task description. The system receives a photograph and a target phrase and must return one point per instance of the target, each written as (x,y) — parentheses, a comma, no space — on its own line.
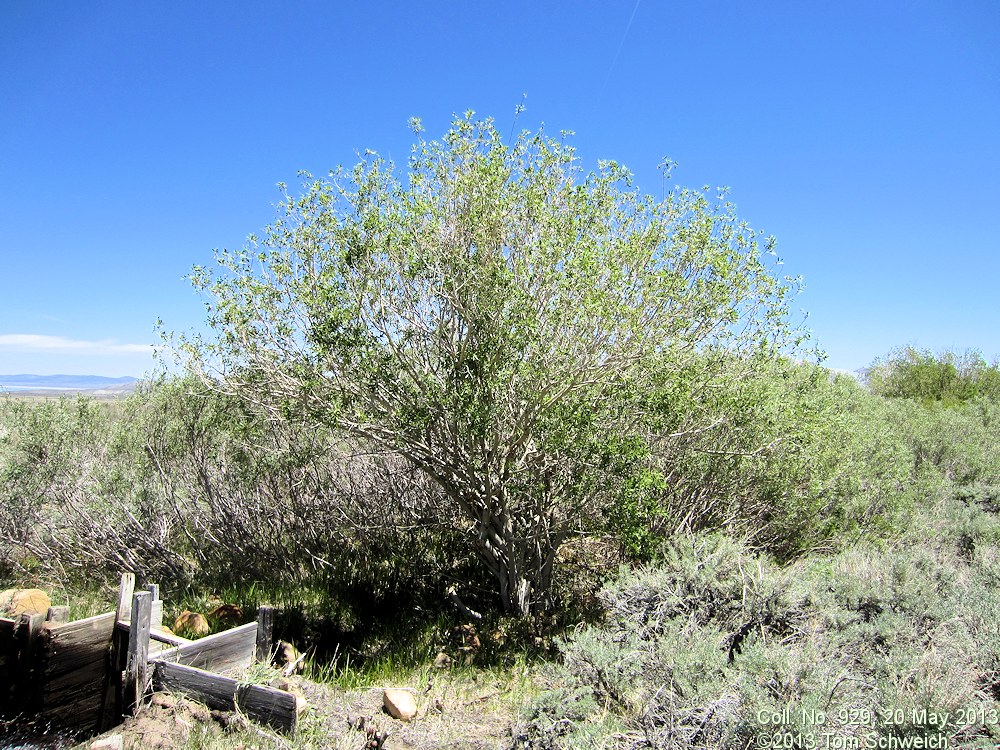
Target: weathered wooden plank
(80,713)
(8,666)
(70,682)
(169,638)
(137,666)
(112,693)
(27,630)
(101,621)
(7,647)
(223,652)
(101,624)
(25,694)
(77,643)
(265,705)
(156,619)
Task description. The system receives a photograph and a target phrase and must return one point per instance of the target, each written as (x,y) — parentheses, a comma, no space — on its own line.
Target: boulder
(191,624)
(226,615)
(400,703)
(17,602)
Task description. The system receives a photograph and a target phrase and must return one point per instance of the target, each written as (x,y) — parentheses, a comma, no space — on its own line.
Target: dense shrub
(797,459)
(49,452)
(189,488)
(961,443)
(949,378)
(717,647)
(183,484)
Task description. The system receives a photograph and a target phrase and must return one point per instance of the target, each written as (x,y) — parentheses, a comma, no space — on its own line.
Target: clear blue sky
(136,137)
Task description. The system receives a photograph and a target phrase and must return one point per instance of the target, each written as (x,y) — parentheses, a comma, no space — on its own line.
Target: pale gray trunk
(519,552)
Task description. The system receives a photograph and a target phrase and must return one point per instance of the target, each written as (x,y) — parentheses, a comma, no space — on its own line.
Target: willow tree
(497,317)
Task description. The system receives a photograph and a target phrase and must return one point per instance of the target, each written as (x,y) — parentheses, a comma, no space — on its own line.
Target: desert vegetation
(503,393)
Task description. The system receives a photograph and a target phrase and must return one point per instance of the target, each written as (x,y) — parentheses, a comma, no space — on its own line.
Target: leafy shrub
(948,378)
(797,459)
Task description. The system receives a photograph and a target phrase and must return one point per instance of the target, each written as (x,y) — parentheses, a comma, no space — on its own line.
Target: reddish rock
(226,615)
(17,602)
(191,624)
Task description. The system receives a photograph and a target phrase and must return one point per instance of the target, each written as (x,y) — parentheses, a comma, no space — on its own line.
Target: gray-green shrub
(716,646)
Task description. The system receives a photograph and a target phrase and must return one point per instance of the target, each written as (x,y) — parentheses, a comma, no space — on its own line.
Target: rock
(17,602)
(191,624)
(287,658)
(111,742)
(442,661)
(226,615)
(400,703)
(291,686)
(163,700)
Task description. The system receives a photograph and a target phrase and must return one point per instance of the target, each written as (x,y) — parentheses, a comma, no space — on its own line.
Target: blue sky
(136,137)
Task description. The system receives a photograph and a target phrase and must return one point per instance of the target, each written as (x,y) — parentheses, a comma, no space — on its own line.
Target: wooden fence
(85,676)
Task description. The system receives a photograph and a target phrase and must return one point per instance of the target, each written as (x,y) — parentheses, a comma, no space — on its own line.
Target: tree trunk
(518,551)
(522,566)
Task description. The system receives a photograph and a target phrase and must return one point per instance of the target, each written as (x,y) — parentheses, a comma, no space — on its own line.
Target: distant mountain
(65,382)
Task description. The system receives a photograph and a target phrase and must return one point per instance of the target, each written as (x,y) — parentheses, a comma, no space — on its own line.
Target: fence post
(125,589)
(156,619)
(265,634)
(28,693)
(137,666)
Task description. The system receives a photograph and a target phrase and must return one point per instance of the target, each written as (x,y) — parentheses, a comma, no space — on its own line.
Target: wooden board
(79,715)
(8,664)
(78,644)
(228,651)
(137,661)
(75,671)
(8,650)
(265,705)
(169,638)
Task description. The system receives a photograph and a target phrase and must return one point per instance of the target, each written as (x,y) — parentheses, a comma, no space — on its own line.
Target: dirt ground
(474,713)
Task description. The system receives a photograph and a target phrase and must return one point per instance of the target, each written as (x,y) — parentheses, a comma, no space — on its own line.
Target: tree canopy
(522,331)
